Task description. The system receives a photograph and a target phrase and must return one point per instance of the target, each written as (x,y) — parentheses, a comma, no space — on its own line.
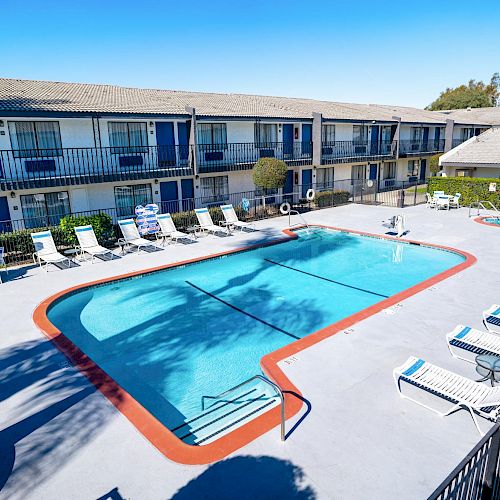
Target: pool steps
(226,415)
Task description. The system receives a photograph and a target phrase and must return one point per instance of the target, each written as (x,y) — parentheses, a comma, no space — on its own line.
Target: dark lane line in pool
(327,279)
(242,311)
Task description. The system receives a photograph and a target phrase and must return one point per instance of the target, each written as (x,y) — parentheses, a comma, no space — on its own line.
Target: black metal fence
(477,476)
(348,151)
(409,148)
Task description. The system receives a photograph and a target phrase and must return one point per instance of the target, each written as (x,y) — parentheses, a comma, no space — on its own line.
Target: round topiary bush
(269,173)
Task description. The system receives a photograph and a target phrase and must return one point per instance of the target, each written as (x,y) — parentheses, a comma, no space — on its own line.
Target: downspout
(397,136)
(193,156)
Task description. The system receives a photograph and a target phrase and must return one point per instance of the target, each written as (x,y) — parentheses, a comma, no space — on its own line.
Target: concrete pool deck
(62,439)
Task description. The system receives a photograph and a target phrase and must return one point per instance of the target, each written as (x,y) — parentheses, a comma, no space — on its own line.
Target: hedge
(472,188)
(331,198)
(101,223)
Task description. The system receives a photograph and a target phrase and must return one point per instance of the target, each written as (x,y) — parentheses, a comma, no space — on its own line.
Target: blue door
(374,140)
(169,197)
(423,168)
(373,171)
(183,136)
(425,139)
(187,189)
(307,133)
(288,187)
(306,181)
(5,224)
(166,143)
(288,140)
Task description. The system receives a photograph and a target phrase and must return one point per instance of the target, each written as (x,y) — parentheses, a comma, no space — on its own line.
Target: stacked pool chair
(146,220)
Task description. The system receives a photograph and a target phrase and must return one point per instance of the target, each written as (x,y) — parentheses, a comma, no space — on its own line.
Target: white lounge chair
(443,201)
(168,229)
(89,244)
(431,202)
(131,235)
(461,391)
(455,201)
(46,251)
(207,224)
(491,318)
(466,343)
(231,218)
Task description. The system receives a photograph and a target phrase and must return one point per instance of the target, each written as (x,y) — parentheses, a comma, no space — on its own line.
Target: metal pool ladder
(480,204)
(276,388)
(303,223)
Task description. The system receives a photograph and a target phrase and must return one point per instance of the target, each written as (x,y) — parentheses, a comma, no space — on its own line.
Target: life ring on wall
(310,195)
(285,208)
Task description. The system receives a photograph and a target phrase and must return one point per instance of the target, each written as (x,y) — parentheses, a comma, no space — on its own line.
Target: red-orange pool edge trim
(159,435)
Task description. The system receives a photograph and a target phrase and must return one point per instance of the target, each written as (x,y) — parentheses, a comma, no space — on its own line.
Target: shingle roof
(476,116)
(41,96)
(483,149)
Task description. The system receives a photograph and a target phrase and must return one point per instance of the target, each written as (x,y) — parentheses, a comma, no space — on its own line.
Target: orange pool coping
(160,436)
(482,221)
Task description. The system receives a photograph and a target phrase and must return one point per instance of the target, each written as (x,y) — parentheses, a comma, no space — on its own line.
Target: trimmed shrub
(472,188)
(101,223)
(331,198)
(269,173)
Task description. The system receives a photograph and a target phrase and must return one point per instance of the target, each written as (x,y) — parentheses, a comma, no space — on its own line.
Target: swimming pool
(170,337)
(492,220)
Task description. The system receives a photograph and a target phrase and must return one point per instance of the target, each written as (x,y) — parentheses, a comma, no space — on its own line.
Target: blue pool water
(171,336)
(492,220)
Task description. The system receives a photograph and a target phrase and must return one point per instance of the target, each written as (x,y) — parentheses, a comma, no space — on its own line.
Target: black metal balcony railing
(242,156)
(457,142)
(23,169)
(345,151)
(408,148)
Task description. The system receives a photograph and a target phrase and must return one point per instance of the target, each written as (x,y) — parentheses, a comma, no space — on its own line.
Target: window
(35,139)
(214,189)
(466,133)
(212,134)
(416,134)
(328,134)
(44,209)
(266,135)
(127,137)
(463,172)
(128,197)
(358,172)
(324,178)
(386,134)
(360,134)
(413,168)
(390,170)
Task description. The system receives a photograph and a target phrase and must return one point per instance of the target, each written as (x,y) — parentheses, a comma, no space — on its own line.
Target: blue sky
(390,52)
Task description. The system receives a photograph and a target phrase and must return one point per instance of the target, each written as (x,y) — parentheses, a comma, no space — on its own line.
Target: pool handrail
(480,204)
(275,386)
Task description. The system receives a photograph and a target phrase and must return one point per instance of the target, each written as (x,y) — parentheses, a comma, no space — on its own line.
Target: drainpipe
(193,156)
(397,135)
(97,131)
(448,135)
(316,139)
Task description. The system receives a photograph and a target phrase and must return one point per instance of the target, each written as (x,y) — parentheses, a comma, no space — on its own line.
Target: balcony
(415,148)
(242,156)
(348,151)
(25,169)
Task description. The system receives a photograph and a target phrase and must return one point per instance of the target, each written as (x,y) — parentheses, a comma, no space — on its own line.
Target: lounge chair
(89,244)
(207,224)
(168,229)
(461,391)
(466,343)
(46,251)
(455,201)
(431,202)
(131,235)
(232,219)
(491,318)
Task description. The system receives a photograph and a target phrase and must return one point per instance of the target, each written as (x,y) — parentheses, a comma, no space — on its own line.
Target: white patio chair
(455,201)
(466,343)
(461,391)
(168,229)
(231,218)
(442,202)
(46,251)
(491,318)
(89,244)
(431,202)
(435,194)
(207,224)
(131,235)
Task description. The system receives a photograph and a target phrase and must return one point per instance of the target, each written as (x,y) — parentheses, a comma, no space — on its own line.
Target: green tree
(434,164)
(269,173)
(474,95)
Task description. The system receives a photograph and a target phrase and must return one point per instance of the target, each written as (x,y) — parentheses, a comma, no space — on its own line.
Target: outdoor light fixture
(151,124)
(12,194)
(1,123)
(196,176)
(156,181)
